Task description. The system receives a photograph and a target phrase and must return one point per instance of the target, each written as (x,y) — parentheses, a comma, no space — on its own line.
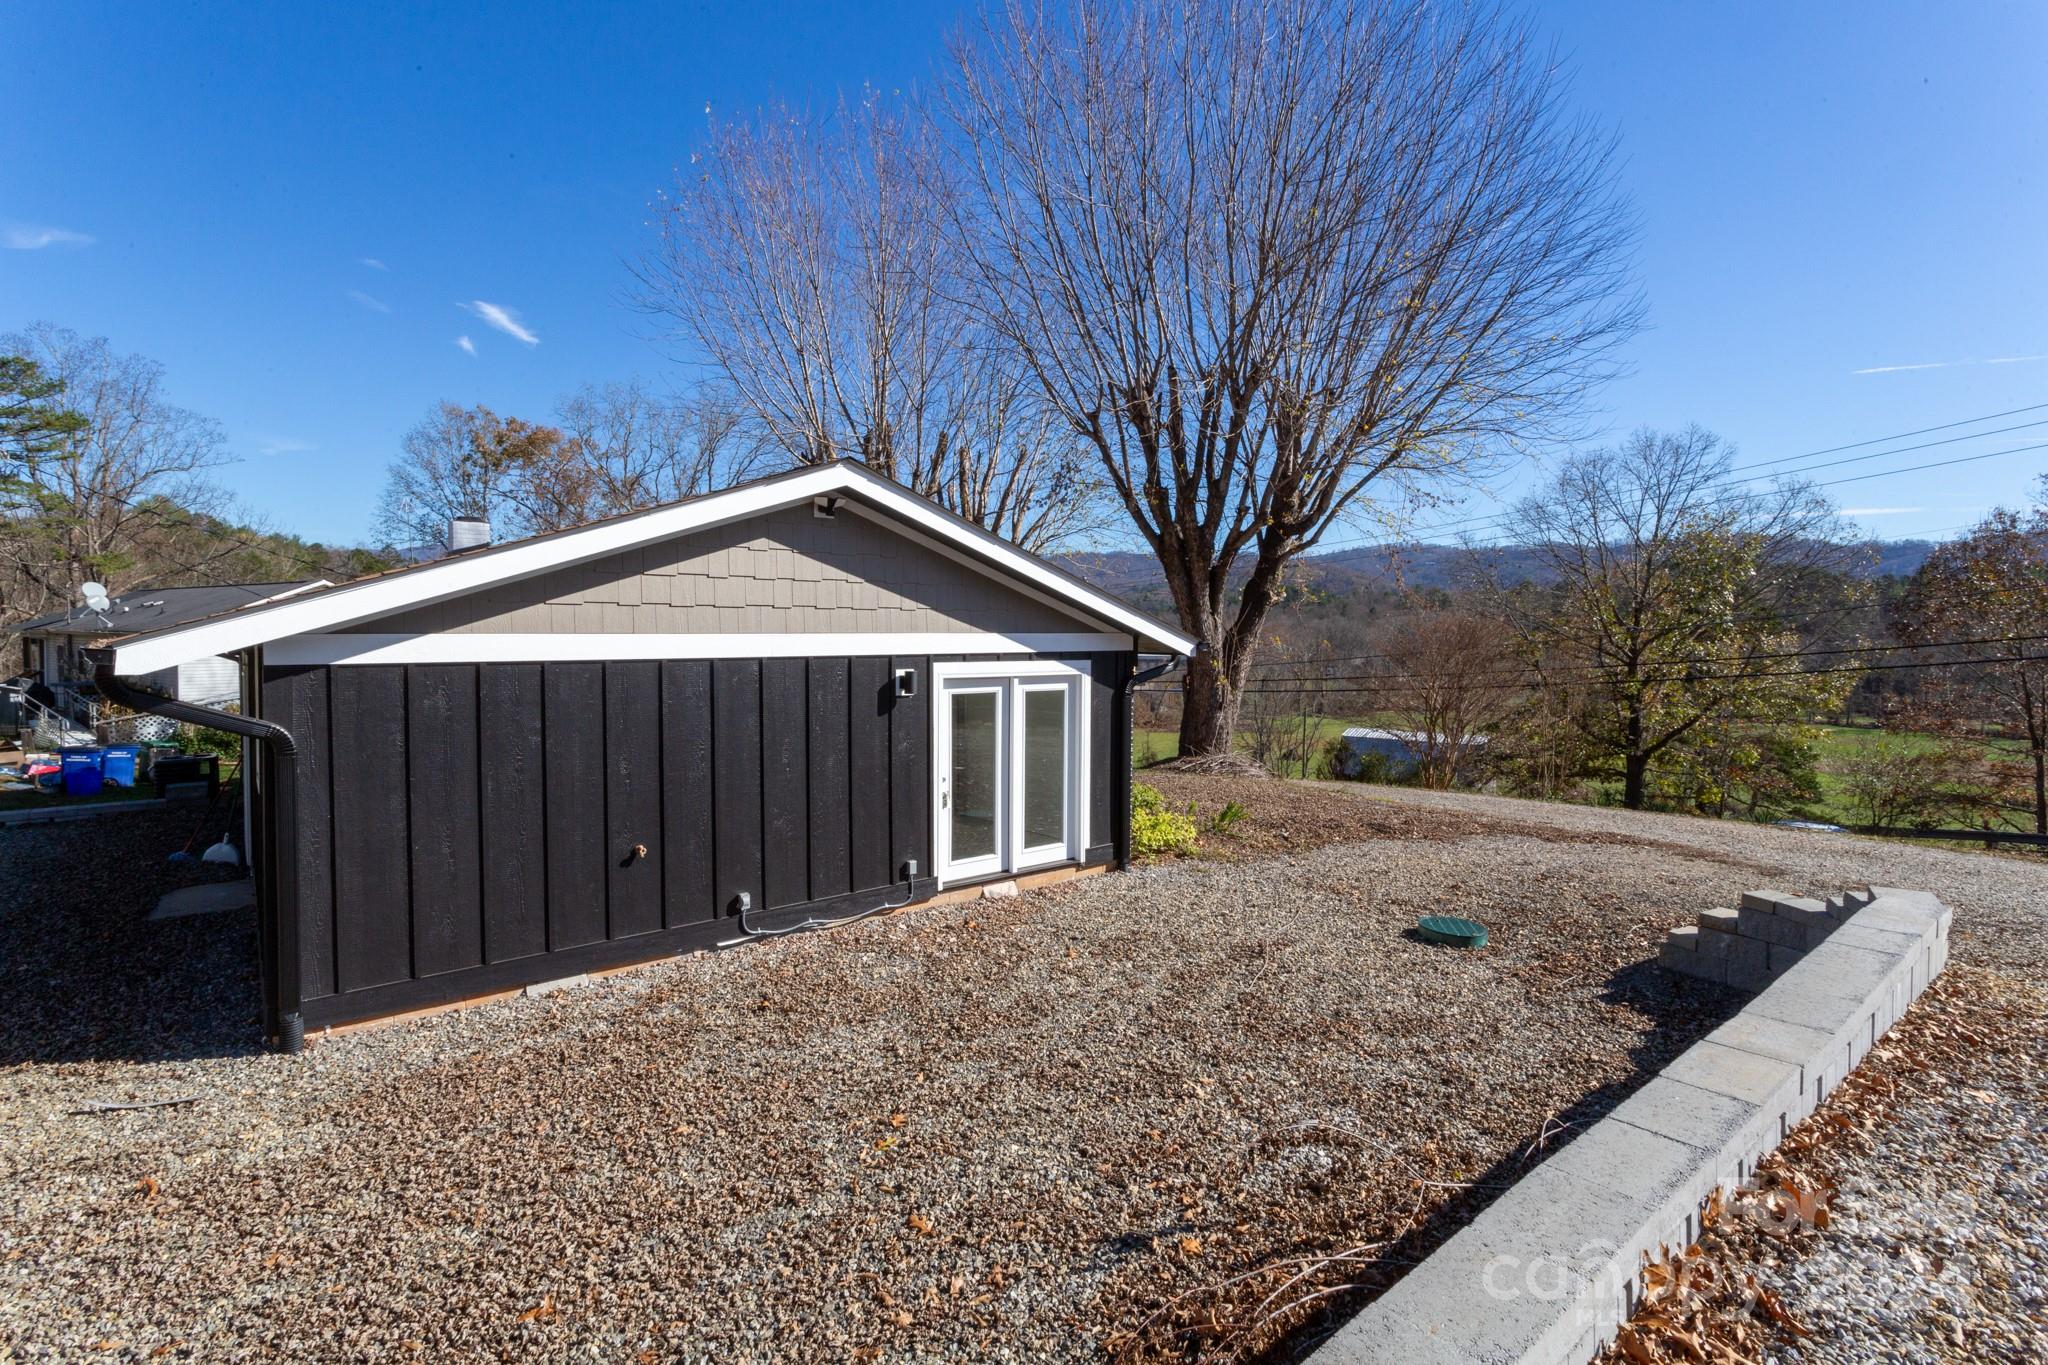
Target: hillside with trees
(103,479)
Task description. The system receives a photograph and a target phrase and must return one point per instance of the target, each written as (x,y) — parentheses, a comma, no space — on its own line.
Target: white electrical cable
(814,923)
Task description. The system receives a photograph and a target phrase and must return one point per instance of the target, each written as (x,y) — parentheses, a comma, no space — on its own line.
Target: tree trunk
(1635,772)
(2040,789)
(1635,763)
(1209,703)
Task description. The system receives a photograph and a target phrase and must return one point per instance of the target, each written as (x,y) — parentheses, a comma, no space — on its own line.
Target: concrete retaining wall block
(1546,1274)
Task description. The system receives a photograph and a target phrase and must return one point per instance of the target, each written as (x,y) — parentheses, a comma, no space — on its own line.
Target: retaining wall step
(1547,1272)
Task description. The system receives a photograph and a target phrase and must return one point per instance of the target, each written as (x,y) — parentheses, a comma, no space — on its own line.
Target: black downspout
(1127,723)
(291,1028)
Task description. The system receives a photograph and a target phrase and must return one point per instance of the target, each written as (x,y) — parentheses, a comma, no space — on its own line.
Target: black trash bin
(187,775)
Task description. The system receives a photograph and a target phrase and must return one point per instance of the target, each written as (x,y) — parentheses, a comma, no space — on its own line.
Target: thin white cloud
(284,445)
(33,237)
(1880,511)
(1951,364)
(466,344)
(505,319)
(372,262)
(373,304)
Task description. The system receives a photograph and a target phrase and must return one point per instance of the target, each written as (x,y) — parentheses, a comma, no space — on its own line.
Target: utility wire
(1535,679)
(1478,523)
(1800,653)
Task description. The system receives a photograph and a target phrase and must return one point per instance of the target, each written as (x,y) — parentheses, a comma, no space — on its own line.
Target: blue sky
(290,209)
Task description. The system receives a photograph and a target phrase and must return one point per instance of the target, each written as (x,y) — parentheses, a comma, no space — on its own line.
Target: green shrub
(199,739)
(1228,816)
(1155,829)
(1341,762)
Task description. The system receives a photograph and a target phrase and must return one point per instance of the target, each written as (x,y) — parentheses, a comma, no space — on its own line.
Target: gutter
(1127,711)
(284,751)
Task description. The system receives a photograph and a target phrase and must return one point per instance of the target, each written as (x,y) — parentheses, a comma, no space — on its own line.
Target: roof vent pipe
(468,533)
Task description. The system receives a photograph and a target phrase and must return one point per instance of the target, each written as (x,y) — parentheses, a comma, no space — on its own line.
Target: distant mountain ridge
(1134,575)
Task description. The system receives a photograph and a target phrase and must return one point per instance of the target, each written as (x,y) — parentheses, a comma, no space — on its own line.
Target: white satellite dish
(96,598)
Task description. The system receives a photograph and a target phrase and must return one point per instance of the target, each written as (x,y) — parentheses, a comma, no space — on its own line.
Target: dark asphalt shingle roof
(154,609)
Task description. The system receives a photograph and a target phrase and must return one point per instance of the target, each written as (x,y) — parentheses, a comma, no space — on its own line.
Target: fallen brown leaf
(1775,1307)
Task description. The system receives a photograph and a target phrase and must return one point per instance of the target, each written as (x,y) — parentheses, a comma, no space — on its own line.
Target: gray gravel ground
(1937,1246)
(1937,1249)
(1028,1129)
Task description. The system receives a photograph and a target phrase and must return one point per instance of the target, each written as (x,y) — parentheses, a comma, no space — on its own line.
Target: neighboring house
(796,700)
(53,647)
(1402,749)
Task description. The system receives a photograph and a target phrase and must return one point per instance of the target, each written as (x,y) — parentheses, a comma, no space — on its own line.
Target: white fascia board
(375,597)
(459,574)
(1016,562)
(468,647)
(981,568)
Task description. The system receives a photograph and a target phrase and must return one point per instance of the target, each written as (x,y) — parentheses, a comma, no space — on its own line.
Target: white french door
(974,788)
(1010,768)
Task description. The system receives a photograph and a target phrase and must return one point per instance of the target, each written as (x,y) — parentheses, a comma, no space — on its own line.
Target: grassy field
(23,799)
(1837,743)
(1156,746)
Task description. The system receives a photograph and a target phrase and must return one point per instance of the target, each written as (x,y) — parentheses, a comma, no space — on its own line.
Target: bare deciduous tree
(617,448)
(131,473)
(1449,679)
(1264,254)
(642,449)
(438,477)
(810,260)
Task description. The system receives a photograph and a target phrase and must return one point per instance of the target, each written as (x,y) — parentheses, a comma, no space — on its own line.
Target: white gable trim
(980,567)
(474,647)
(461,574)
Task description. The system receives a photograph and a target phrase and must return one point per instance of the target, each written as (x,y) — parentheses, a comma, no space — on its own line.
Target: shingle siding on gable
(784,571)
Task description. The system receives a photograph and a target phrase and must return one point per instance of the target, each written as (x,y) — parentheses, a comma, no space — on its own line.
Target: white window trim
(349,604)
(478,647)
(1079,754)
(948,869)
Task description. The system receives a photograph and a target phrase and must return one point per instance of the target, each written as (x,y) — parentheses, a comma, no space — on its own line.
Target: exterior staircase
(1749,946)
(50,729)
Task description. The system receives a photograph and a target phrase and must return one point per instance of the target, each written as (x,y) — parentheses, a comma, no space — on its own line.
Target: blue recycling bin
(120,763)
(81,768)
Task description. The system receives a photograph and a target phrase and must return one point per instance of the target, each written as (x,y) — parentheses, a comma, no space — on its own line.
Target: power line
(1896,450)
(1801,653)
(1935,464)
(1477,523)
(1902,435)
(1536,679)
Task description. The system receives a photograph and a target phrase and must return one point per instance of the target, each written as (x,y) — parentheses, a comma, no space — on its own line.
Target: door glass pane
(974,775)
(1045,766)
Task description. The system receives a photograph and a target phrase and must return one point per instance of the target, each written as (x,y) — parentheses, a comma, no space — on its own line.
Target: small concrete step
(211,898)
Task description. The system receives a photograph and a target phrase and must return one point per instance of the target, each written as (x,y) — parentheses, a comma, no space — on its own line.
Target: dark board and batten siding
(464,828)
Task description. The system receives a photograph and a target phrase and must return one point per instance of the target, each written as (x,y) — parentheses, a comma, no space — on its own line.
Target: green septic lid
(1458,933)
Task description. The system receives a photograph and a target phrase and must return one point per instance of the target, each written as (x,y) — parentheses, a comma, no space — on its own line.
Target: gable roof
(153,609)
(380,595)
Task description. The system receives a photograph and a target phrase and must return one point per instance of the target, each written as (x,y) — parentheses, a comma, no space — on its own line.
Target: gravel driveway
(1118,1116)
